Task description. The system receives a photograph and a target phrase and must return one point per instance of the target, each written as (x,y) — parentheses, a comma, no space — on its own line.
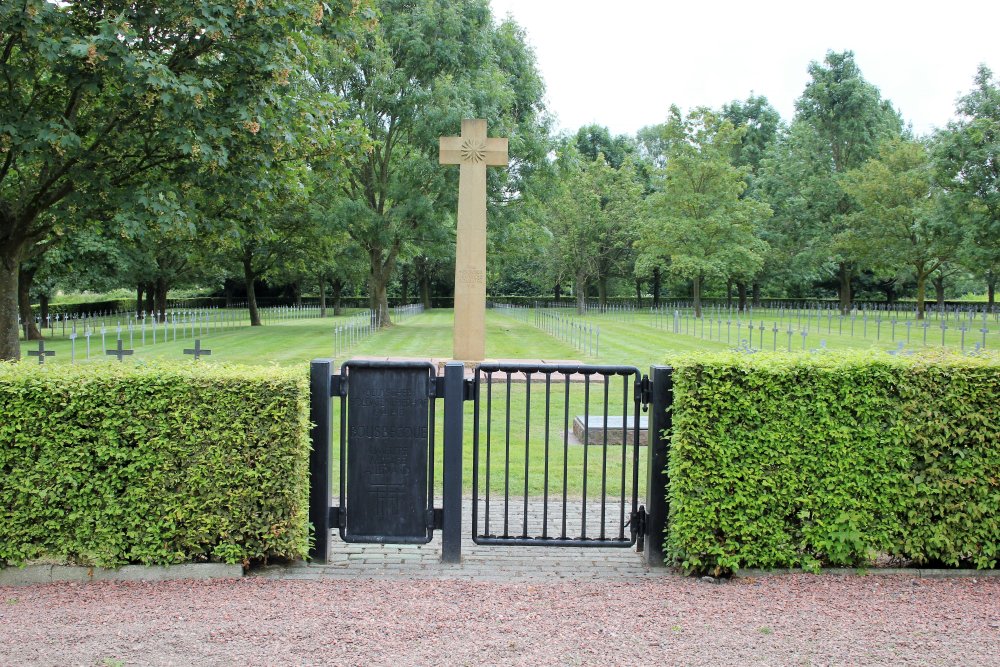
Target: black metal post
(451,529)
(320,468)
(661,386)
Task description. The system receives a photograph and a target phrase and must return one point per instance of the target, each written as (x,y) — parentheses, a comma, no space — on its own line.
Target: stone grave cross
(41,352)
(197,351)
(474,152)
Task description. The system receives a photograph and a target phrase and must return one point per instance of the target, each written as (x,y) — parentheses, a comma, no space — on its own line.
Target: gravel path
(670,620)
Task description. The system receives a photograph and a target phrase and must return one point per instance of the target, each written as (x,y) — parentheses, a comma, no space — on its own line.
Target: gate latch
(468,390)
(643,392)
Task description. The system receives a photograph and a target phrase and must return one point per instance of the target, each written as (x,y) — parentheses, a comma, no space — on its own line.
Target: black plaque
(387,452)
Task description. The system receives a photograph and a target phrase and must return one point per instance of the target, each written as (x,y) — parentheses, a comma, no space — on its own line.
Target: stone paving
(480,562)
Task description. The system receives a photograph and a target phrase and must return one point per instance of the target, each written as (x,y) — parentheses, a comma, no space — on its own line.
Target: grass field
(523,453)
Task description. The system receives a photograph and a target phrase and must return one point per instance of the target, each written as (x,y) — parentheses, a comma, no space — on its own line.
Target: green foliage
(698,217)
(902,222)
(153,464)
(806,461)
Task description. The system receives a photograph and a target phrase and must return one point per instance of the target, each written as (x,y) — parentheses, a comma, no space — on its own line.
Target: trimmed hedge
(834,459)
(108,464)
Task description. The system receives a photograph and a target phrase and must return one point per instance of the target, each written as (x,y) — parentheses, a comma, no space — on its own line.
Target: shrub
(832,459)
(108,464)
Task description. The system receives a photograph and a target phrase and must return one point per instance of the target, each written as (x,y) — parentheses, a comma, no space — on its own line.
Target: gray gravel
(670,620)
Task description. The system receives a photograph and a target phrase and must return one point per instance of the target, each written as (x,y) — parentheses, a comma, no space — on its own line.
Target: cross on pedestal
(41,353)
(120,353)
(197,351)
(474,151)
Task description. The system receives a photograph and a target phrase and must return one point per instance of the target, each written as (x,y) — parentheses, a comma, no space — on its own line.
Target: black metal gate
(571,488)
(387,452)
(577,474)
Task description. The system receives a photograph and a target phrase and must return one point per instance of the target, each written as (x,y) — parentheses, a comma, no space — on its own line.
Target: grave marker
(41,353)
(474,152)
(197,351)
(120,352)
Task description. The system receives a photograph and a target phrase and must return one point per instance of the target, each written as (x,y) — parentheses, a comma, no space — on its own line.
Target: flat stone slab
(48,574)
(593,428)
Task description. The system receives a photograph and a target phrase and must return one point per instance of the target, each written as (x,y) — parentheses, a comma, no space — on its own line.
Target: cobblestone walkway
(480,562)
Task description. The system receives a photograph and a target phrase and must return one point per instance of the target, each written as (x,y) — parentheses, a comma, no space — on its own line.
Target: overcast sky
(622,63)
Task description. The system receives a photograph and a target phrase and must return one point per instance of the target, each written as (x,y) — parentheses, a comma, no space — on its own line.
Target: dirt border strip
(915,573)
(50,574)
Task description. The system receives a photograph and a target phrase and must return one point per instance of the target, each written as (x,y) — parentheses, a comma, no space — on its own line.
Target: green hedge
(834,459)
(108,464)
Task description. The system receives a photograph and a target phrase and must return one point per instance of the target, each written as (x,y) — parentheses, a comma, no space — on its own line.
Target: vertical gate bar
(320,464)
(475,458)
(636,408)
(432,404)
(566,379)
(635,432)
(506,463)
(586,448)
(451,530)
(658,438)
(489,434)
(545,490)
(527,447)
(604,456)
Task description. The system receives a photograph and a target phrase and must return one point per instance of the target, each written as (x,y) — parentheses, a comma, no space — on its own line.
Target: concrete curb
(50,574)
(915,573)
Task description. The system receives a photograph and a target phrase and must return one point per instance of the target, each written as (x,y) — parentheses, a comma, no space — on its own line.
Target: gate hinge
(338,517)
(338,385)
(468,390)
(643,392)
(637,527)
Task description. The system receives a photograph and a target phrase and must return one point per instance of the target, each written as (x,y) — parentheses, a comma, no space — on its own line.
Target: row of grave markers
(120,352)
(200,320)
(711,328)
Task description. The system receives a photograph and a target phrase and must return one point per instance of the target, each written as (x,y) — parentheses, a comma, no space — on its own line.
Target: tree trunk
(25,277)
(921,290)
(425,291)
(602,291)
(138,297)
(322,298)
(338,292)
(755,292)
(10,346)
(656,287)
(379,273)
(939,291)
(638,293)
(741,295)
(581,295)
(557,292)
(249,277)
(227,290)
(404,284)
(297,294)
(889,289)
(160,299)
(150,298)
(381,304)
(696,296)
(845,288)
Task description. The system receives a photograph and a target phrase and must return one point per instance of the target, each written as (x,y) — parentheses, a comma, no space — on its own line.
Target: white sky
(622,63)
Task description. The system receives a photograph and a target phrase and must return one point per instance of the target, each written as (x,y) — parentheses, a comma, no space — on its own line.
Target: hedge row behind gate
(834,459)
(107,464)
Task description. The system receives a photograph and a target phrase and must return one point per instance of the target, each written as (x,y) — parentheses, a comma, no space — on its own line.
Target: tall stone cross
(474,152)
